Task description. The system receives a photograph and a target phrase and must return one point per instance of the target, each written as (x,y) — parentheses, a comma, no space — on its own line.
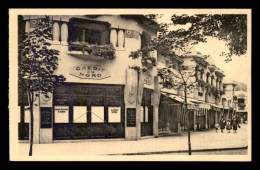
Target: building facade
(242,107)
(101,98)
(203,99)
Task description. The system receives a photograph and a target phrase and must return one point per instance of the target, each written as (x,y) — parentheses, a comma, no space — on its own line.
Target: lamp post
(186,107)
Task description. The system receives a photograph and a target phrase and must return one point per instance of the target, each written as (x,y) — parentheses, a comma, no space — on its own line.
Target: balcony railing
(91,51)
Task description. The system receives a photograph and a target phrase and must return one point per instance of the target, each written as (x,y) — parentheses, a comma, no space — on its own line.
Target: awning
(204,106)
(178,98)
(215,107)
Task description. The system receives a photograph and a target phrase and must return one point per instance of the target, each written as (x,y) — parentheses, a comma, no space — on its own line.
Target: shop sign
(131,117)
(46,118)
(114,114)
(61,114)
(84,71)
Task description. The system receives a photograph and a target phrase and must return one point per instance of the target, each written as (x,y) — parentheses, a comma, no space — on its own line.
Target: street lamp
(186,107)
(185,95)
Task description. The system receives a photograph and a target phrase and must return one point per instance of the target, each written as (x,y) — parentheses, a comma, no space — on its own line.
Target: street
(199,141)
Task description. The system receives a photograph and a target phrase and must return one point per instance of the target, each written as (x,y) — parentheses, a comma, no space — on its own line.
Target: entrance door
(146,114)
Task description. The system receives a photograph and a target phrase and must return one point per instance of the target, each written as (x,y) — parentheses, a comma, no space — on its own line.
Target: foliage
(104,51)
(37,64)
(231,28)
(138,68)
(241,86)
(148,62)
(201,83)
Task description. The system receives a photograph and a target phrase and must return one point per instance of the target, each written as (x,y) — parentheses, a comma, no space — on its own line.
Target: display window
(114,114)
(80,114)
(26,114)
(144,118)
(61,114)
(97,114)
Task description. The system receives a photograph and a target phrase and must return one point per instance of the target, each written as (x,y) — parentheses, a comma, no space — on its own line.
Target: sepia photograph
(130,84)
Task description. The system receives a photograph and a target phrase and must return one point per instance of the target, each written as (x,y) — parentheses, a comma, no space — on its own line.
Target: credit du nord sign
(85,71)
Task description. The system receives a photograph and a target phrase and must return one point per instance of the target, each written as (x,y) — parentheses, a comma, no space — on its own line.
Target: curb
(182,151)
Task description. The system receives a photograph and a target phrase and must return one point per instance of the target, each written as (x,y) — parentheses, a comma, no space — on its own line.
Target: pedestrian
(235,124)
(222,124)
(228,126)
(216,126)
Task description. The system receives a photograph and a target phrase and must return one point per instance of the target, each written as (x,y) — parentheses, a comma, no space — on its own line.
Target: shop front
(83,111)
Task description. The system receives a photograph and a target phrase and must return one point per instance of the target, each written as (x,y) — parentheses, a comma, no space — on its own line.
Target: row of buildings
(110,97)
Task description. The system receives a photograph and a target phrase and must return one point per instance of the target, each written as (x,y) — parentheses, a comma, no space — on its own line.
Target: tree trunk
(31,123)
(186,109)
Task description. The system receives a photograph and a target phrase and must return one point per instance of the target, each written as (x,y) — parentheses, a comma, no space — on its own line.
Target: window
(144,118)
(79,114)
(114,114)
(89,31)
(27,114)
(97,114)
(240,100)
(61,114)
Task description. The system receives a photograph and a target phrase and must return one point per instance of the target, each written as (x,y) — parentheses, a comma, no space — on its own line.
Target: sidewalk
(205,140)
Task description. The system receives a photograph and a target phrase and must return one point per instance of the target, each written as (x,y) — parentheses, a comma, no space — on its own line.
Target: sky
(239,69)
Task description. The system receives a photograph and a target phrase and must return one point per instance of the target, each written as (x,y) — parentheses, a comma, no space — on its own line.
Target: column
(195,124)
(46,133)
(206,113)
(56,33)
(36,122)
(64,34)
(132,106)
(27,26)
(113,37)
(155,100)
(121,39)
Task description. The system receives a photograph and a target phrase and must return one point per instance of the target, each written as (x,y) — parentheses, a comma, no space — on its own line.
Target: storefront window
(61,114)
(142,114)
(80,114)
(97,114)
(26,114)
(114,114)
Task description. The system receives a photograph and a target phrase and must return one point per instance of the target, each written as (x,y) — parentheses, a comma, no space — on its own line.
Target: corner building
(100,98)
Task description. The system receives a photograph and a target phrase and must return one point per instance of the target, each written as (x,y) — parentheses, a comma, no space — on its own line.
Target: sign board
(61,114)
(114,114)
(46,117)
(85,71)
(131,117)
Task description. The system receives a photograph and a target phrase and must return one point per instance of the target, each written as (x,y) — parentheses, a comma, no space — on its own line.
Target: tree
(37,63)
(241,86)
(231,28)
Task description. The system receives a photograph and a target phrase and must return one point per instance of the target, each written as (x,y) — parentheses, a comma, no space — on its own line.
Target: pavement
(200,141)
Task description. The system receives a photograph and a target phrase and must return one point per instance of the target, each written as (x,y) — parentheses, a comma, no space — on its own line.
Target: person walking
(235,124)
(222,124)
(228,126)
(216,126)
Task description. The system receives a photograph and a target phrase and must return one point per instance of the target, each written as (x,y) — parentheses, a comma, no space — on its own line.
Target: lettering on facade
(46,118)
(85,71)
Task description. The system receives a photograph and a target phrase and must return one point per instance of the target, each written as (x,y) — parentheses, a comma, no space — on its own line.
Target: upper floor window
(240,101)
(89,31)
(145,39)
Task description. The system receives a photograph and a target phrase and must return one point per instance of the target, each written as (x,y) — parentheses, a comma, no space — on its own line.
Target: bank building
(101,98)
